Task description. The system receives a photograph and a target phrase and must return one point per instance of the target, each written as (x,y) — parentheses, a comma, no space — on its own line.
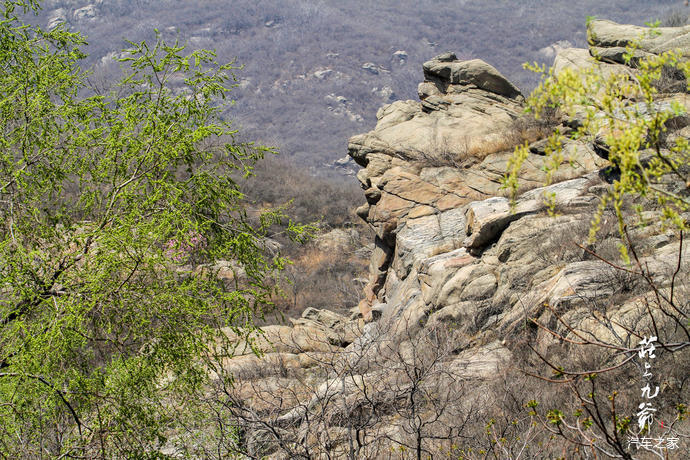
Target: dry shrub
(442,153)
(528,128)
(672,80)
(466,152)
(676,19)
(463,154)
(316,278)
(321,279)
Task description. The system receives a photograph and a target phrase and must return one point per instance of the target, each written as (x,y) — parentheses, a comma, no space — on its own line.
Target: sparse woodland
(303,87)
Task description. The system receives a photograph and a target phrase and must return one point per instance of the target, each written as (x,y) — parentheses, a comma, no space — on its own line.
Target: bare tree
(606,348)
(406,395)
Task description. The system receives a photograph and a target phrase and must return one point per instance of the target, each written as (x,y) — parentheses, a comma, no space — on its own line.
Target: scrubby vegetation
(315,277)
(304,89)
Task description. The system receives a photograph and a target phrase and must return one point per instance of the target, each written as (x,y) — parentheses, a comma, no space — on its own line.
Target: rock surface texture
(456,271)
(609,40)
(416,193)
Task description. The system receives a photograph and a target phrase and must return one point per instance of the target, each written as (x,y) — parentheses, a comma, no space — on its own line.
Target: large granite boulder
(467,109)
(609,40)
(446,69)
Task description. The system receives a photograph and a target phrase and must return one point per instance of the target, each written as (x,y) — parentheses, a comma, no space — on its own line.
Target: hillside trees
(279,88)
(629,117)
(107,205)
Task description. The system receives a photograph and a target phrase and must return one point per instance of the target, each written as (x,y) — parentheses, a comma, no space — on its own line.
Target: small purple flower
(179,251)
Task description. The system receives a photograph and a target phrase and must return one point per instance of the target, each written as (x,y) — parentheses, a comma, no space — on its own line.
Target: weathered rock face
(427,216)
(609,40)
(467,107)
(413,201)
(317,332)
(578,58)
(456,271)
(446,70)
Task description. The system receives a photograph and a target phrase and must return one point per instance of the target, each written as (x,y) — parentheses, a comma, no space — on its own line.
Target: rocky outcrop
(467,108)
(446,70)
(418,207)
(414,200)
(316,331)
(453,253)
(608,40)
(457,270)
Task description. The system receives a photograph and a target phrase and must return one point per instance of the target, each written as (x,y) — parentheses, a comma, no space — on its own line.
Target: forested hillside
(316,71)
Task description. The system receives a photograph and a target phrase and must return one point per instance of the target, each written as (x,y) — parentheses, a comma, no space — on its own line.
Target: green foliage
(105,203)
(626,111)
(554,416)
(623,424)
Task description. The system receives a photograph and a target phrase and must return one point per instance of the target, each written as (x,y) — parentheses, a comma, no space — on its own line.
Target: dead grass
(321,279)
(468,151)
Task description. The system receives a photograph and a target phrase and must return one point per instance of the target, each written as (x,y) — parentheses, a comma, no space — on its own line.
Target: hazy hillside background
(316,71)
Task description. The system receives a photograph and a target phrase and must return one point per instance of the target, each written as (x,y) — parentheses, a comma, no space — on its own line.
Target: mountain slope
(316,71)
